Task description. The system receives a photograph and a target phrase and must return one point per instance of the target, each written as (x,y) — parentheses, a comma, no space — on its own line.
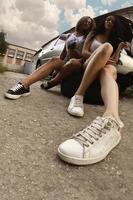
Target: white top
(94,45)
(75,42)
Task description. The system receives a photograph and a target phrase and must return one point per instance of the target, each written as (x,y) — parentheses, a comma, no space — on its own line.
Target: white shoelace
(78,102)
(96,130)
(16,87)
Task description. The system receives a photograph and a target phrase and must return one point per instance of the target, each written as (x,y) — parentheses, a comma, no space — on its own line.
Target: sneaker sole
(10,96)
(74,114)
(76,161)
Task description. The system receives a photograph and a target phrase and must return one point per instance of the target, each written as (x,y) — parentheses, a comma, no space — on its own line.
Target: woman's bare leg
(109,91)
(95,64)
(43,71)
(23,89)
(93,143)
(70,67)
(73,65)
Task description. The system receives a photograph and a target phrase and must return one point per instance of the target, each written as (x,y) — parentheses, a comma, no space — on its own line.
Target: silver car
(49,50)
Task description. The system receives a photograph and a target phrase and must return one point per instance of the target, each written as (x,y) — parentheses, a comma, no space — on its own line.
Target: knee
(111,70)
(107,49)
(56,63)
(55,59)
(74,62)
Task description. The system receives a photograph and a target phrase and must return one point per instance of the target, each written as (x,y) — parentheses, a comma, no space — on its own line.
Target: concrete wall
(16,56)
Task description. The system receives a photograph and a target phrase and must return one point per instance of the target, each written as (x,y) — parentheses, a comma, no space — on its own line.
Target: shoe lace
(78,102)
(16,87)
(95,131)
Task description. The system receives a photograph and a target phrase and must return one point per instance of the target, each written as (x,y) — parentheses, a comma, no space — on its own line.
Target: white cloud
(32,23)
(41,12)
(29,23)
(73,18)
(74,10)
(126,4)
(70,4)
(108,2)
(102,12)
(9,15)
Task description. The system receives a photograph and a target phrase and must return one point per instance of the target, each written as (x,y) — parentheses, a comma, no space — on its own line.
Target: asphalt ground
(31,128)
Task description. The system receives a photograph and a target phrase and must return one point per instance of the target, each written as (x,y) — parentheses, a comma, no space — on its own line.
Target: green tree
(3,43)
(3,49)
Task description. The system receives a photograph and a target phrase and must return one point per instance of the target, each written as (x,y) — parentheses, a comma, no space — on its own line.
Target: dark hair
(122,30)
(78,27)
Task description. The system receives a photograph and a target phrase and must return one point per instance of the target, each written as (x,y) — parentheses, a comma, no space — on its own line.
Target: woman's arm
(86,48)
(115,57)
(63,53)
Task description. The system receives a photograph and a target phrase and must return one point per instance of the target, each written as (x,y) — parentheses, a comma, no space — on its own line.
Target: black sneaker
(45,85)
(17,91)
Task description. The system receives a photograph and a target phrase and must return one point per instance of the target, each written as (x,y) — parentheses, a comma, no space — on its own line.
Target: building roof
(21,47)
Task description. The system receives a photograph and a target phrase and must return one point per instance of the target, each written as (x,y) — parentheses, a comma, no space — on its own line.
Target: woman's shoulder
(65,36)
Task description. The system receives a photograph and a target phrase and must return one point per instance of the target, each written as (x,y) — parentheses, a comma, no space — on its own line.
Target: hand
(124,45)
(111,61)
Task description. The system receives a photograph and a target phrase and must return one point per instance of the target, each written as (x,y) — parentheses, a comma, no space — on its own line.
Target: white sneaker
(76,106)
(92,144)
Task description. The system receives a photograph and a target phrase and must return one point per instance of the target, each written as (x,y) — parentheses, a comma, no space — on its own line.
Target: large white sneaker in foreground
(92,144)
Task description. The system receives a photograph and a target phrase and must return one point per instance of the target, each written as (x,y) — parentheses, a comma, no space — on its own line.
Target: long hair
(79,29)
(122,30)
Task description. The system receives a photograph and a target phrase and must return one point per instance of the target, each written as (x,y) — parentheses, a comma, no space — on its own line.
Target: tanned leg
(43,71)
(70,67)
(93,67)
(109,91)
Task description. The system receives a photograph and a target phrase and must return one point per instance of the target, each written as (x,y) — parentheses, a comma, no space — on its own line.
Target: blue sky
(32,23)
(98,6)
